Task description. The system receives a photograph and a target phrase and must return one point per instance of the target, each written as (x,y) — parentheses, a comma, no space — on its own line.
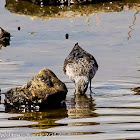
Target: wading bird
(80,67)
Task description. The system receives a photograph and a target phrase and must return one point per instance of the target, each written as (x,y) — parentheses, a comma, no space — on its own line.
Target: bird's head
(81,84)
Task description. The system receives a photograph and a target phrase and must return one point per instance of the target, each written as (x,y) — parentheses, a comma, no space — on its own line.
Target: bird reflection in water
(82,107)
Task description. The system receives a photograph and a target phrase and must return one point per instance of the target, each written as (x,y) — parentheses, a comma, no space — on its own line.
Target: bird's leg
(75,88)
(75,92)
(91,92)
(90,87)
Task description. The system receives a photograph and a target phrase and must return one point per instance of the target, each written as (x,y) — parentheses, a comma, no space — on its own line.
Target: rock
(137,90)
(63,2)
(19,28)
(4,33)
(67,36)
(77,9)
(43,89)
(4,38)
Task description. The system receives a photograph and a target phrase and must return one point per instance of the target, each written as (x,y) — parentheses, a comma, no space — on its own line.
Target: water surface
(110,31)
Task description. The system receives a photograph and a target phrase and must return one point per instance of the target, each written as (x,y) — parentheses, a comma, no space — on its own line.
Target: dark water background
(110,31)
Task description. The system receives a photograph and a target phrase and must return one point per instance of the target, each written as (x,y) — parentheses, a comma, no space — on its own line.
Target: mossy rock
(43,89)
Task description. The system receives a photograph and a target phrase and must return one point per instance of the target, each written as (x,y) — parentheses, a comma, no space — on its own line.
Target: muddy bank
(47,12)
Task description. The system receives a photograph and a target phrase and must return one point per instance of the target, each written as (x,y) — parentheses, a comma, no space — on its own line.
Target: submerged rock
(4,38)
(43,89)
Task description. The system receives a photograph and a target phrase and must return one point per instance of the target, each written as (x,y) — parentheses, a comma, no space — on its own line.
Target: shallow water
(111,33)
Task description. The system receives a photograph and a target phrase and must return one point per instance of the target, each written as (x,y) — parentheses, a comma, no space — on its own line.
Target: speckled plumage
(80,67)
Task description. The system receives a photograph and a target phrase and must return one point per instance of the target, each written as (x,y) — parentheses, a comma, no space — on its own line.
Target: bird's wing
(93,60)
(67,60)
